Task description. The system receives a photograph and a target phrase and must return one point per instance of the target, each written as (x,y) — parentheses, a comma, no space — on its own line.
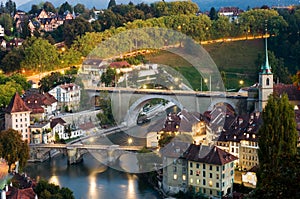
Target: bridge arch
(133,111)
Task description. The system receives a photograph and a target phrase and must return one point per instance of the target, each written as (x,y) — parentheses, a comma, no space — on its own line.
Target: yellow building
(210,170)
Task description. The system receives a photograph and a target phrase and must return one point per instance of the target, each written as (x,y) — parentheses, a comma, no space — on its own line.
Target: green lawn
(236,59)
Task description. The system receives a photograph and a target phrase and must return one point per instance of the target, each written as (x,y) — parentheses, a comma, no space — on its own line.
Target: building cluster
(222,141)
(43,21)
(36,115)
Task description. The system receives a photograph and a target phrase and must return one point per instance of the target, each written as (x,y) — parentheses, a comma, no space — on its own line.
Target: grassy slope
(237,59)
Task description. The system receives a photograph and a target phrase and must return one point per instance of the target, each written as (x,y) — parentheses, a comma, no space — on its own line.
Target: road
(36,77)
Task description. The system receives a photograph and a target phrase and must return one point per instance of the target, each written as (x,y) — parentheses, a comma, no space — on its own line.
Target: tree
(111,4)
(34,9)
(79,8)
(49,7)
(213,15)
(14,148)
(278,172)
(6,21)
(109,76)
(40,56)
(10,7)
(74,28)
(12,60)
(46,190)
(106,116)
(65,7)
(7,90)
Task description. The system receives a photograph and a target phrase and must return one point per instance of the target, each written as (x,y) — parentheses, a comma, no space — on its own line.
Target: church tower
(265,81)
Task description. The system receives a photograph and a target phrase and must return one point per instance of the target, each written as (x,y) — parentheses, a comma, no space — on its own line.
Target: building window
(203,174)
(217,185)
(210,183)
(204,190)
(197,181)
(231,172)
(217,176)
(174,169)
(223,175)
(223,167)
(210,175)
(210,192)
(191,164)
(204,182)
(183,177)
(191,172)
(223,184)
(175,177)
(268,82)
(210,167)
(197,173)
(191,181)
(16,120)
(197,165)
(217,168)
(203,166)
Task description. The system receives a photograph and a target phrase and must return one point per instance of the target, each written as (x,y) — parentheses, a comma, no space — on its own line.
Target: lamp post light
(205,81)
(241,82)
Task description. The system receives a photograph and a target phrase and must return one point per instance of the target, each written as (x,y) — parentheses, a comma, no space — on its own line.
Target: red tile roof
(35,100)
(119,64)
(70,86)
(17,105)
(14,193)
(87,126)
(208,155)
(291,90)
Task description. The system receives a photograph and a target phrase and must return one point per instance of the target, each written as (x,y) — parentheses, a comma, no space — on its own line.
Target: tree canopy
(13,148)
(278,174)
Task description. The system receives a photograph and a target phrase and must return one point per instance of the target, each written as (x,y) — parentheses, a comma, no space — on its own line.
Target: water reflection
(91,179)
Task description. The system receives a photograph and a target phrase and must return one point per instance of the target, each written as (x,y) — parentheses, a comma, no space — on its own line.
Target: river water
(91,179)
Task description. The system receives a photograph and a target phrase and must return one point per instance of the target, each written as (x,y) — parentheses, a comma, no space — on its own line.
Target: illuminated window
(191,180)
(210,183)
(183,177)
(198,181)
(175,177)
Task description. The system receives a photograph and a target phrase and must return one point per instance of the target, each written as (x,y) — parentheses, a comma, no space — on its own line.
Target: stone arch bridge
(127,102)
(107,154)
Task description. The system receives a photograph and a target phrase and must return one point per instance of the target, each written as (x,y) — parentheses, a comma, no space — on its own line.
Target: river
(91,179)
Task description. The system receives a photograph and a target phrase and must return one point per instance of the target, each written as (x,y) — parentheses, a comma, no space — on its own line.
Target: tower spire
(266,68)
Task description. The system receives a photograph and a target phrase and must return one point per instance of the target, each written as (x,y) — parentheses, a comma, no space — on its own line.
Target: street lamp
(241,82)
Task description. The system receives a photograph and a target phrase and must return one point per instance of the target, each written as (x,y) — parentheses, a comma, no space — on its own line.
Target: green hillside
(236,59)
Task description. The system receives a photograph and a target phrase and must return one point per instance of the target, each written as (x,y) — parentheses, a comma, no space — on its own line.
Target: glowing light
(145,86)
(54,180)
(130,140)
(241,82)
